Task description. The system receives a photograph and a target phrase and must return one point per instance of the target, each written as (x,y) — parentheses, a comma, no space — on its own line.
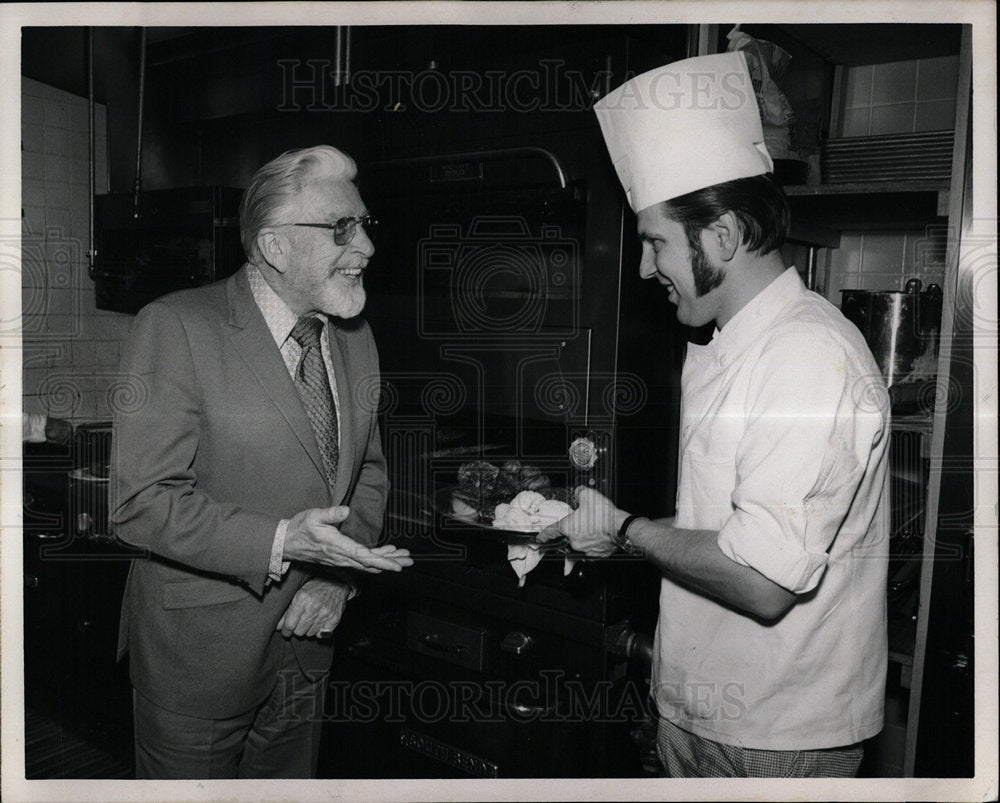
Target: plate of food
(514,501)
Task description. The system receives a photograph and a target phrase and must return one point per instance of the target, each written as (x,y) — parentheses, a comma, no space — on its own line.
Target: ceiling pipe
(91,137)
(136,211)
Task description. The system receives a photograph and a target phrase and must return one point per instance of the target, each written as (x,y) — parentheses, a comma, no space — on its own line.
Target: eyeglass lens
(345,228)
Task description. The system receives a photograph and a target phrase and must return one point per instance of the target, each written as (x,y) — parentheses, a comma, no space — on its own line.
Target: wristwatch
(621,540)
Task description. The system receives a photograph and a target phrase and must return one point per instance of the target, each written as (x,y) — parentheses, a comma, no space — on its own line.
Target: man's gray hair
(280,180)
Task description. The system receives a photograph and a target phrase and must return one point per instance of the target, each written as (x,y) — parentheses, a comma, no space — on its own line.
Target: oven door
(475,301)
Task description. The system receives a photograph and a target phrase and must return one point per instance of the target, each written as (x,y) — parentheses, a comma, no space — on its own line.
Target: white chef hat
(683,127)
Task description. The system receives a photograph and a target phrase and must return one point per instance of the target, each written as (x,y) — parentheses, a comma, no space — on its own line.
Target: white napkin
(524,557)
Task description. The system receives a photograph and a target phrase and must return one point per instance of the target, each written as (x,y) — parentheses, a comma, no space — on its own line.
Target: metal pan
(442,506)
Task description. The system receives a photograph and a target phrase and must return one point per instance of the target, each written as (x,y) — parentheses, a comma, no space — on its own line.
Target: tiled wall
(884,260)
(70,348)
(899,97)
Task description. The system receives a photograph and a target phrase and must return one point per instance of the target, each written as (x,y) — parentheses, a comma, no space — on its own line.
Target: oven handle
(528,711)
(431,641)
(492,154)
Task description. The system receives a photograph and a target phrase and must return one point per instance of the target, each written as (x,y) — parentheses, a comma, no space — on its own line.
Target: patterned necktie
(313,385)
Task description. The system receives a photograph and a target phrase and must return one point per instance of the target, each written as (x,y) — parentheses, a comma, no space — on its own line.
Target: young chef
(770,651)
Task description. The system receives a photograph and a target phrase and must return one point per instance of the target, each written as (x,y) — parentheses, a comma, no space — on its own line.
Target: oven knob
(84,523)
(516,642)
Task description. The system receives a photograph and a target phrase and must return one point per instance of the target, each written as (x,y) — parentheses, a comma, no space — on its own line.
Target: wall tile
(34,303)
(61,302)
(87,409)
(105,327)
(926,251)
(881,281)
(32,138)
(32,110)
(62,254)
(31,88)
(894,119)
(57,193)
(882,253)
(32,192)
(79,150)
(937,78)
(83,353)
(56,114)
(106,353)
(85,325)
(856,122)
(32,379)
(935,115)
(33,270)
(57,168)
(894,82)
(847,258)
(34,217)
(125,327)
(30,403)
(79,119)
(32,165)
(32,326)
(57,224)
(59,327)
(60,275)
(56,141)
(859,86)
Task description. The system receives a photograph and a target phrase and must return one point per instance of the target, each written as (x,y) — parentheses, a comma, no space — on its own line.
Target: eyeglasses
(345,228)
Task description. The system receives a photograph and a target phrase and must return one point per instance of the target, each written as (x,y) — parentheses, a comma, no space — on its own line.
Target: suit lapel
(253,341)
(345,399)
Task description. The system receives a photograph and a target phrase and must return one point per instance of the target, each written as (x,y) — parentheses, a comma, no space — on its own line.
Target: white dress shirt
(280,321)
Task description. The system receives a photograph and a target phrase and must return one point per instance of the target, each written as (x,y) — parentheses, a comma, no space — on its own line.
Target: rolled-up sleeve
(798,466)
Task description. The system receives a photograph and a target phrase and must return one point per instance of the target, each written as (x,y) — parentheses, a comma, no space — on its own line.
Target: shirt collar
(759,315)
(279,318)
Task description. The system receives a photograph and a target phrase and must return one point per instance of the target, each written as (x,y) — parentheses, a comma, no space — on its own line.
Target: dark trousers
(277,739)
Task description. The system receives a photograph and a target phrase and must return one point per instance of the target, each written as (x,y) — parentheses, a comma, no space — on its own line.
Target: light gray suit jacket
(212,447)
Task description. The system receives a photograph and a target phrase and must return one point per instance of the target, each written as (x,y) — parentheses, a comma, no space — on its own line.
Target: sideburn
(706,278)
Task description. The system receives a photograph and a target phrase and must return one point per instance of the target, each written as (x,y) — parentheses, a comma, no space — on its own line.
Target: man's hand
(313,537)
(316,608)
(588,528)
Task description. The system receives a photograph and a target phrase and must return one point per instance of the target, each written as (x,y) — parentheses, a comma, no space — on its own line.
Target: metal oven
(496,297)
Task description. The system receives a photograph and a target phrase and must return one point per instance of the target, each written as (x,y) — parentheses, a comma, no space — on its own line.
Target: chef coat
(785,429)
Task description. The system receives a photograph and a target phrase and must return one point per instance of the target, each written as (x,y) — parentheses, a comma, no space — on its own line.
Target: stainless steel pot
(902,329)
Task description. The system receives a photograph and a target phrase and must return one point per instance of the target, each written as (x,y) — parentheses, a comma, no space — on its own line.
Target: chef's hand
(315,609)
(313,537)
(588,528)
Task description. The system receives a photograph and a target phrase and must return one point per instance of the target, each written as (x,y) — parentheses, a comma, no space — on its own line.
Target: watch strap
(621,539)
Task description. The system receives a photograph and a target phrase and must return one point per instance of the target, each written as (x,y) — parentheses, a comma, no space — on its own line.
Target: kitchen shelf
(866,188)
(873,205)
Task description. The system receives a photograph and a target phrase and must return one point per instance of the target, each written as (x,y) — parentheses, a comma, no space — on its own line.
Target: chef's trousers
(685,755)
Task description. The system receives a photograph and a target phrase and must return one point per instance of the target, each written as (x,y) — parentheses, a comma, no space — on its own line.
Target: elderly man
(770,650)
(250,469)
